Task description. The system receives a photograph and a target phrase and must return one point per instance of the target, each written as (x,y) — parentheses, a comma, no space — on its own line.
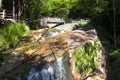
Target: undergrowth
(11,33)
(84,57)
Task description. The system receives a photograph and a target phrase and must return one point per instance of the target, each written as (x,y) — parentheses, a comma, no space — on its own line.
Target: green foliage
(54,8)
(115,53)
(11,33)
(88,8)
(58,8)
(83,23)
(24,29)
(34,9)
(34,25)
(114,64)
(99,8)
(84,57)
(3,43)
(115,56)
(46,7)
(61,8)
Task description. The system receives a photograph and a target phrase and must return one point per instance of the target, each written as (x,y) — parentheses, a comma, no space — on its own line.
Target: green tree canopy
(54,8)
(88,8)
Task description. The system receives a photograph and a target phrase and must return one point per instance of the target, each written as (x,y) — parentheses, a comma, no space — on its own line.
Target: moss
(85,57)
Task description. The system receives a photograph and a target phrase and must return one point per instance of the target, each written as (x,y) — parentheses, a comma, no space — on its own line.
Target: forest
(102,12)
(104,16)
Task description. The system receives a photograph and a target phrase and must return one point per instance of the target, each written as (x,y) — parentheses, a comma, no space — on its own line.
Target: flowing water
(57,70)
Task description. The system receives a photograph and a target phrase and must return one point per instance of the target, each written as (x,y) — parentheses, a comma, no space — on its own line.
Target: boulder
(58,42)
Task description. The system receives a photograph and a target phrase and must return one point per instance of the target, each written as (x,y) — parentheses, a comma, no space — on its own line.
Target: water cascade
(57,70)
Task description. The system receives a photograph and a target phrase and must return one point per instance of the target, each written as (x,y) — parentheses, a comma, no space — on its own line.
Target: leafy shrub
(24,29)
(11,33)
(84,58)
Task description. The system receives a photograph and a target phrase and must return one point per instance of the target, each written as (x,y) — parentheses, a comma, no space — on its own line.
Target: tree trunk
(114,22)
(13,9)
(0,3)
(19,11)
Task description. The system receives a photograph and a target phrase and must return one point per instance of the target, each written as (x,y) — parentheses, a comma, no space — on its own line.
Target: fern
(84,57)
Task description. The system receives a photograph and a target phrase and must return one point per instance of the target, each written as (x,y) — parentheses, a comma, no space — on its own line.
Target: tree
(34,9)
(61,8)
(114,21)
(14,6)
(54,8)
(88,8)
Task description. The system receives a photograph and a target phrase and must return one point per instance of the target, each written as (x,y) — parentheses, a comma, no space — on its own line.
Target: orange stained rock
(53,44)
(21,47)
(30,52)
(18,50)
(48,46)
(55,56)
